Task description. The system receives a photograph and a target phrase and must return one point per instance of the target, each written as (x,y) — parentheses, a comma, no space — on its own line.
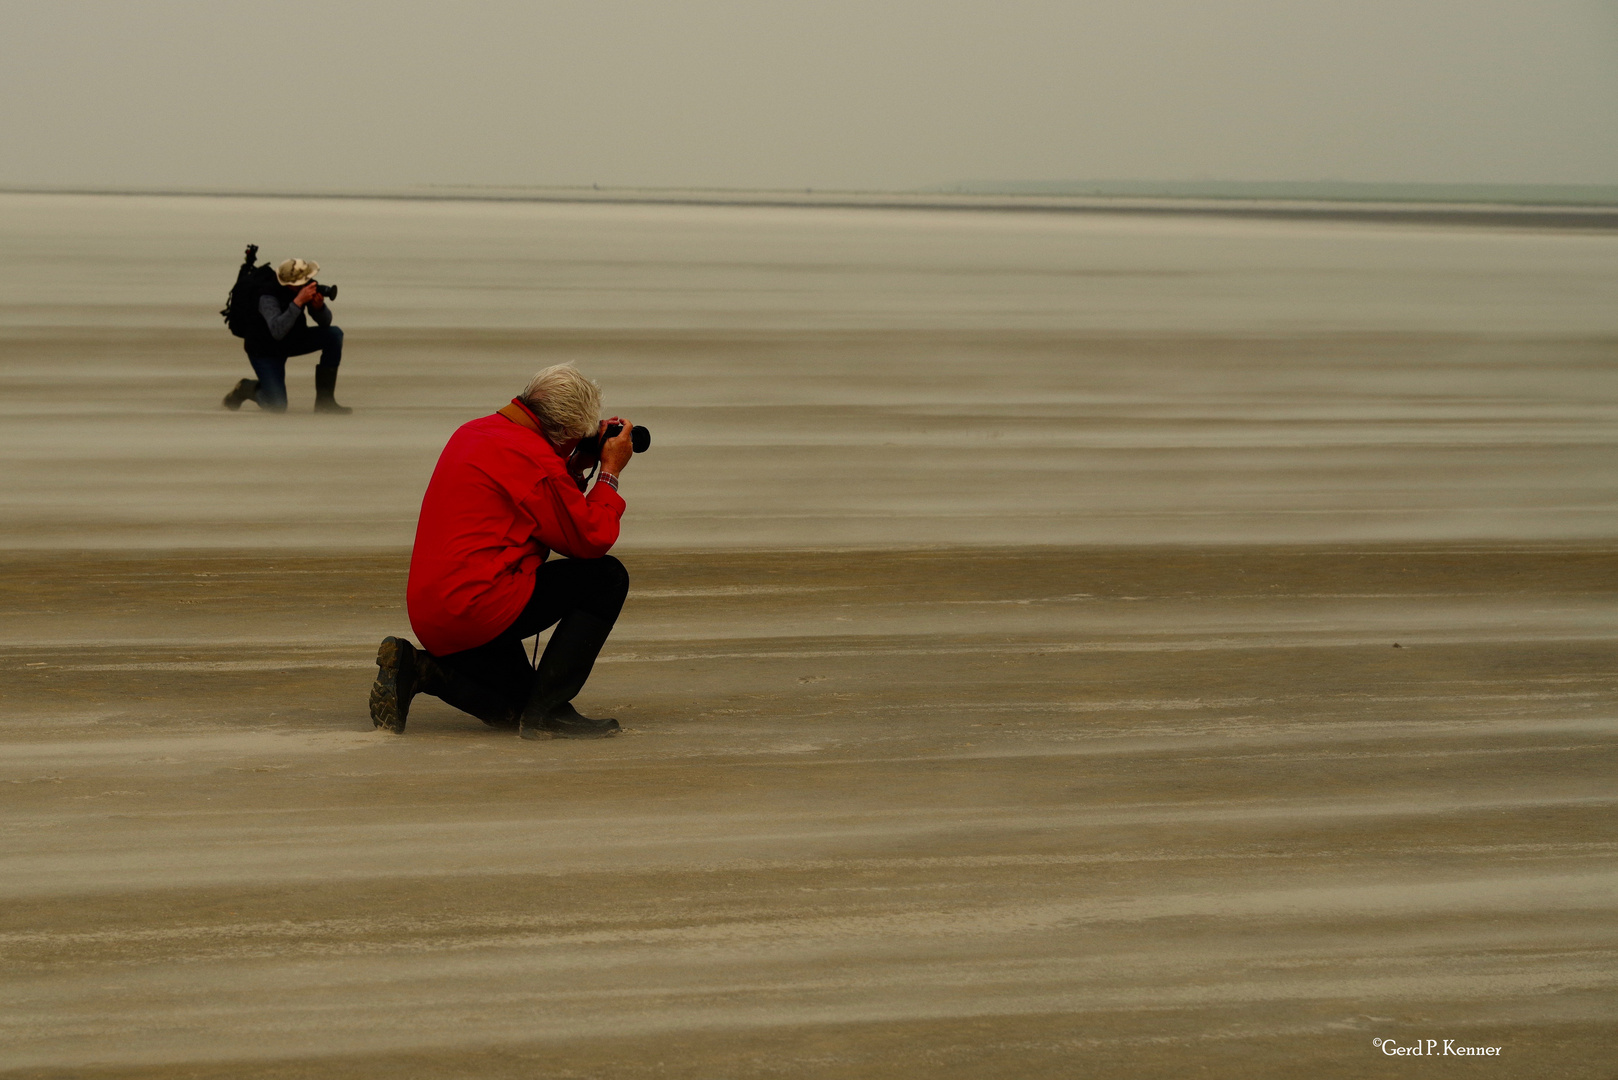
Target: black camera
(639,439)
(328,291)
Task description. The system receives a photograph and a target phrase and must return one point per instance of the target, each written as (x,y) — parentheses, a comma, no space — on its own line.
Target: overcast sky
(833,94)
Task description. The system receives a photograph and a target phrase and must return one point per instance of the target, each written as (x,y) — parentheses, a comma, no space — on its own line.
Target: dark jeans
(270,361)
(500,669)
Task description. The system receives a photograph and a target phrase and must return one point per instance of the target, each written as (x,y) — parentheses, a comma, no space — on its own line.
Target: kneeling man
(508,491)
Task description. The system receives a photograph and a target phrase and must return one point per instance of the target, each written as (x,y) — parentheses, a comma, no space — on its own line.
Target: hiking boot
(566,722)
(395,686)
(246,390)
(325,387)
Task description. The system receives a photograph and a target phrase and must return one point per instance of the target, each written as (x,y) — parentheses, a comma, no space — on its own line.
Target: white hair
(568,405)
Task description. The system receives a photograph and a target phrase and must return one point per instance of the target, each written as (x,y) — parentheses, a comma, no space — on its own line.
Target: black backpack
(241,312)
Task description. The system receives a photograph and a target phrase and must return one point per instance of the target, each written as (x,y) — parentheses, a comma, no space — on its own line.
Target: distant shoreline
(1488,214)
(1332,191)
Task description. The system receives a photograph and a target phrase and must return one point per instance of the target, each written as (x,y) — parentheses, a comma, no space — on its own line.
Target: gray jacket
(282,319)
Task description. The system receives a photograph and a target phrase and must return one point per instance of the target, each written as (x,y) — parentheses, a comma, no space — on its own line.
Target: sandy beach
(1058,645)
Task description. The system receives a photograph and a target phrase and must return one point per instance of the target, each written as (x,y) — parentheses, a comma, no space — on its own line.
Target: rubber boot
(562,671)
(246,390)
(325,387)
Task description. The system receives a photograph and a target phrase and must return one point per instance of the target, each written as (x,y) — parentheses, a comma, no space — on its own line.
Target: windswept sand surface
(822,377)
(1009,673)
(961,812)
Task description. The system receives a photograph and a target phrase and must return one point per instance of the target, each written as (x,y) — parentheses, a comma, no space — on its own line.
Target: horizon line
(1222,202)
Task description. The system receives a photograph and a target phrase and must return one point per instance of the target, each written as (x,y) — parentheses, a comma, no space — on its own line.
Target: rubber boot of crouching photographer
(571,653)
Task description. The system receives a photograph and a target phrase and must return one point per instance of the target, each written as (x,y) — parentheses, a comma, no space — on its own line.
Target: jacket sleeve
(280,322)
(578,526)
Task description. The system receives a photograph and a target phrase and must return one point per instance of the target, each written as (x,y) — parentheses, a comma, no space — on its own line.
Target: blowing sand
(1009,671)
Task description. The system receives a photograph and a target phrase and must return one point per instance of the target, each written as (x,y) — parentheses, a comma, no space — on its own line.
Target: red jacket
(499,502)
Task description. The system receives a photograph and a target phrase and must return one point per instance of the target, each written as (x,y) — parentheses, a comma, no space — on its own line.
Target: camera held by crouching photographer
(639,439)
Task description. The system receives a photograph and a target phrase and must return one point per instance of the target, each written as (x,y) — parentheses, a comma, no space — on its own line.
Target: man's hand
(616,451)
(305,294)
(317,301)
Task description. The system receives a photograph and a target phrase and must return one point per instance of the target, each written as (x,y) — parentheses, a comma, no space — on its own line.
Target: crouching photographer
(270,310)
(509,490)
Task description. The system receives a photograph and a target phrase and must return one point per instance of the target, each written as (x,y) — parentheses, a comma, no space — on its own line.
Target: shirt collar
(521,414)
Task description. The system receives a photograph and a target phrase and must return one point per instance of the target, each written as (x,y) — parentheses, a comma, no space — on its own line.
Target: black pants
(500,668)
(269,360)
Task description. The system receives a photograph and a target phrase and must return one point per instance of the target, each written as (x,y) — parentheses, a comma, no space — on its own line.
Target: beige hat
(296,272)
